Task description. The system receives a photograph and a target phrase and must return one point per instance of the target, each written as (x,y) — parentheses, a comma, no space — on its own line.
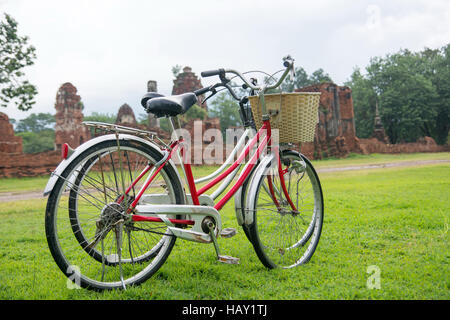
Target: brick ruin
(15,163)
(187,81)
(9,143)
(126,116)
(69,117)
(335,132)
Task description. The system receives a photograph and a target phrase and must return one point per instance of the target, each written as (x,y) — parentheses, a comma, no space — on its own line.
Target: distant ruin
(187,81)
(9,143)
(335,132)
(126,116)
(69,117)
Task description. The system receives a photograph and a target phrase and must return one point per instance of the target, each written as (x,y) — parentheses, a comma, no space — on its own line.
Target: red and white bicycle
(117,203)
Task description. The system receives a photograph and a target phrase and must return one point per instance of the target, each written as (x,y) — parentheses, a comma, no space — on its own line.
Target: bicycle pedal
(228,259)
(228,232)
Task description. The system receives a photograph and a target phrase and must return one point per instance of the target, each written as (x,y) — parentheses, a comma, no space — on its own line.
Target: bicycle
(117,203)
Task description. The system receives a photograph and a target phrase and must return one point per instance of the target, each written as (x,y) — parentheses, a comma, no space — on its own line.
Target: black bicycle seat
(171,106)
(148,96)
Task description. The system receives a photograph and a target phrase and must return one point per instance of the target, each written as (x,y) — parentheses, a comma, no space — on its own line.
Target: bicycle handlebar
(211,73)
(288,63)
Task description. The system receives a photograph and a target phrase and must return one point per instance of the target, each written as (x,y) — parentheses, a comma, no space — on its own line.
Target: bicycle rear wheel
(90,235)
(283,237)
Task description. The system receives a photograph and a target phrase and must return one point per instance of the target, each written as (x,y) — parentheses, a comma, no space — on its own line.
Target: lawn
(17,185)
(394,220)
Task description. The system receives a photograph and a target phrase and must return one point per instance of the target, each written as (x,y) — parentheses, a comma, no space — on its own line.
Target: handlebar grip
(211,73)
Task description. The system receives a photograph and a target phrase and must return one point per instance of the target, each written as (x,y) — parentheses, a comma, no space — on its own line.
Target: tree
(37,132)
(364,100)
(15,55)
(412,90)
(437,70)
(226,109)
(320,76)
(195,112)
(101,117)
(38,142)
(302,79)
(36,123)
(176,69)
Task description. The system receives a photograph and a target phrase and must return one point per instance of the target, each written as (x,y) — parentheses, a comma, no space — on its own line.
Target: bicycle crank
(208,226)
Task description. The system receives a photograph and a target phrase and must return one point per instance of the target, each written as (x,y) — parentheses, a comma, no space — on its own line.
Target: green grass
(17,185)
(378,158)
(396,219)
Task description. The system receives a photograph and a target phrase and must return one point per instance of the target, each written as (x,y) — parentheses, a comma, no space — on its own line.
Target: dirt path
(27,195)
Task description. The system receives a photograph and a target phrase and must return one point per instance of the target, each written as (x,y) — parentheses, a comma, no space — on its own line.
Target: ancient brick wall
(426,144)
(335,132)
(28,165)
(9,143)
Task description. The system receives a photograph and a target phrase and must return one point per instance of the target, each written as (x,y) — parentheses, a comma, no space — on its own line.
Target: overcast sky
(110,49)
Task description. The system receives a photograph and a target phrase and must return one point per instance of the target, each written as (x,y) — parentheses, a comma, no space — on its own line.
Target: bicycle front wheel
(281,236)
(90,234)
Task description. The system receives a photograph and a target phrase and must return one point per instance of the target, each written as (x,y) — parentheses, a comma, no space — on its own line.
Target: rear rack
(116,129)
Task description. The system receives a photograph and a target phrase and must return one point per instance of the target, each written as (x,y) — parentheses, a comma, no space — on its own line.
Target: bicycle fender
(109,137)
(253,187)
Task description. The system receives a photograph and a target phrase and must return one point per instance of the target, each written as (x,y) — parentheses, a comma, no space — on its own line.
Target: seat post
(174,125)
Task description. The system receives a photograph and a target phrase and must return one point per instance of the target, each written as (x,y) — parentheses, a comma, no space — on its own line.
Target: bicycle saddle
(171,106)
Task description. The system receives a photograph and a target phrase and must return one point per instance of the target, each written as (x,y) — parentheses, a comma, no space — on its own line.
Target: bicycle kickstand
(220,258)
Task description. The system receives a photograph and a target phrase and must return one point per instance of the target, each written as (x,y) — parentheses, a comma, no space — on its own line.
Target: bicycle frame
(261,140)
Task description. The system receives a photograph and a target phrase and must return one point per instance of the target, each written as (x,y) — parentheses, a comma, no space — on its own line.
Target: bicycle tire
(59,225)
(276,236)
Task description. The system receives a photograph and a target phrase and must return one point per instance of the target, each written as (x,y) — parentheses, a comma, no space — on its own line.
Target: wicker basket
(295,115)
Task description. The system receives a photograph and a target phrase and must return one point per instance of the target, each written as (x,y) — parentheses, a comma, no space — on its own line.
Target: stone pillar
(152,86)
(378,130)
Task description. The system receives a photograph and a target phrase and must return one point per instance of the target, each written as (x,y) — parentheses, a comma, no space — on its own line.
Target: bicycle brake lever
(213,92)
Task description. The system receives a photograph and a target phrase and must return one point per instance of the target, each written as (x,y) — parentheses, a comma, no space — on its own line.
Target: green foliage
(412,91)
(164,124)
(364,116)
(38,141)
(195,112)
(101,117)
(37,132)
(226,109)
(36,123)
(142,118)
(15,55)
(176,70)
(301,79)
